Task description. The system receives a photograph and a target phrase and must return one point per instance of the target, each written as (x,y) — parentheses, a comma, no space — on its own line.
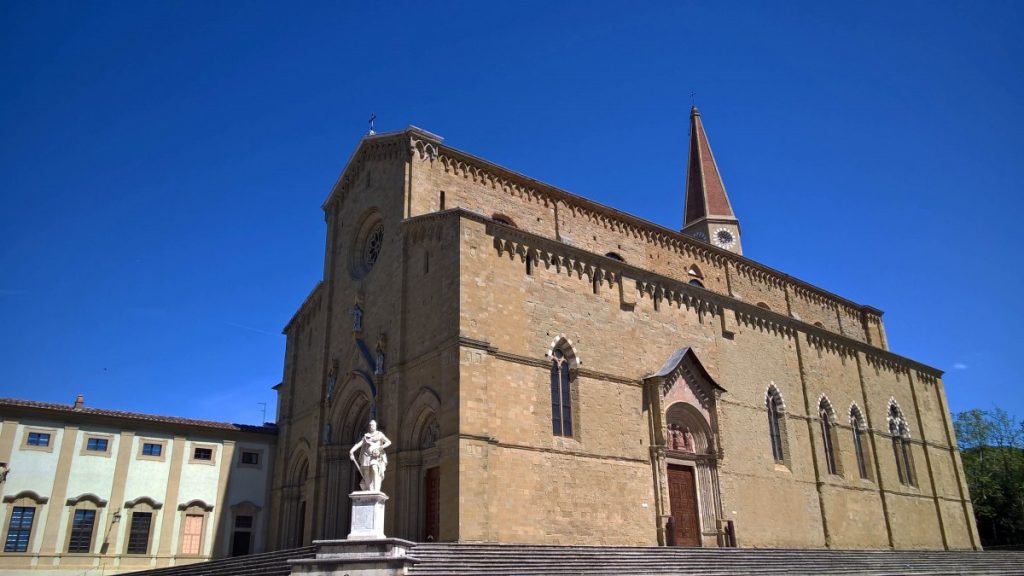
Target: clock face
(700,235)
(724,238)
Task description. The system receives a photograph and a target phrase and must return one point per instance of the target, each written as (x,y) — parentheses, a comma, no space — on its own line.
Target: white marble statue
(371,460)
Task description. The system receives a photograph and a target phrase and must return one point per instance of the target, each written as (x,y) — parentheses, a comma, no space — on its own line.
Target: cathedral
(551,370)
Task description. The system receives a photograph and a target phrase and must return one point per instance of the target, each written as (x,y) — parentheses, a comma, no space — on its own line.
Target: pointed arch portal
(684,412)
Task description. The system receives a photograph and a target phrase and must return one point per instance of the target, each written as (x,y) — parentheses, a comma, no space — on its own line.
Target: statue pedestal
(367,515)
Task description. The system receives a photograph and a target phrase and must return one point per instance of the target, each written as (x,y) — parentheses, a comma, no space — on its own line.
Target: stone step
(453,559)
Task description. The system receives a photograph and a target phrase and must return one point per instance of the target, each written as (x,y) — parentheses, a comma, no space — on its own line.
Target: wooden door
(682,496)
(432,504)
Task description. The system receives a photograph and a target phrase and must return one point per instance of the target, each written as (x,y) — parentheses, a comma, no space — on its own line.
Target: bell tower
(707,215)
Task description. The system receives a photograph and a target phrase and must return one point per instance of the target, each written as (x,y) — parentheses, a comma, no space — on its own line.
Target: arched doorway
(690,462)
(420,469)
(349,417)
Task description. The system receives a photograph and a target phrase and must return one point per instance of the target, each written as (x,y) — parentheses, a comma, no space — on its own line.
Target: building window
(561,395)
(191,534)
(251,458)
(152,449)
(697,283)
(138,534)
(82,525)
(900,433)
(241,540)
(203,454)
(38,439)
(827,417)
(857,424)
(615,256)
(193,527)
(96,445)
(19,529)
(776,423)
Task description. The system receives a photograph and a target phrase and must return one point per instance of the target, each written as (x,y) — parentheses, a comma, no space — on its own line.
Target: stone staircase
(266,564)
(534,560)
(494,559)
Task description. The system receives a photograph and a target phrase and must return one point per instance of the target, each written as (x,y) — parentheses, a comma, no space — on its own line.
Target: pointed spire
(705,192)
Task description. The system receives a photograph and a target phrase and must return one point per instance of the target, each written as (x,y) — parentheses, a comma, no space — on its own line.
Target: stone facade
(700,387)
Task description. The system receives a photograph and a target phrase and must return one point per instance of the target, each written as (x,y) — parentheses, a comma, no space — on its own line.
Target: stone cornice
(578,262)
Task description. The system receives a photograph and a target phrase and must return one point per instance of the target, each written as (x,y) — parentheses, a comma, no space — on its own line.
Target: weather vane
(372,118)
(693,98)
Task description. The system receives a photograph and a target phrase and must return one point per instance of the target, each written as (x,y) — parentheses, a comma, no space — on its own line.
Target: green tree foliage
(992,449)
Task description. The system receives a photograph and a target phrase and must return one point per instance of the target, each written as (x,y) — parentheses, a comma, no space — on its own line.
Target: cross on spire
(372,118)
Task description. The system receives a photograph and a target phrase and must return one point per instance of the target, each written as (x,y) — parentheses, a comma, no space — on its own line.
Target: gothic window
(900,433)
(615,256)
(763,305)
(561,395)
(371,251)
(694,271)
(367,245)
(857,425)
(697,283)
(502,219)
(827,417)
(776,423)
(529,265)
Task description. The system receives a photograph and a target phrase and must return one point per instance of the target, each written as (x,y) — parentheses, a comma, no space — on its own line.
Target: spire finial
(372,118)
(693,99)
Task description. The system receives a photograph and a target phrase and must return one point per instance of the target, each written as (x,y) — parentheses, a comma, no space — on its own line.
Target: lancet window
(900,433)
(776,423)
(827,417)
(858,426)
(561,394)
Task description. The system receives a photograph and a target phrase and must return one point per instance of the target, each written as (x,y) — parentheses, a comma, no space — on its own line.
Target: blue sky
(162,164)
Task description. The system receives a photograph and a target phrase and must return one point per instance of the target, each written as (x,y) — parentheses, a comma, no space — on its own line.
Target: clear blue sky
(162,164)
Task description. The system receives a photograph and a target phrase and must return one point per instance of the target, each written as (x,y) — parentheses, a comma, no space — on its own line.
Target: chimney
(79,402)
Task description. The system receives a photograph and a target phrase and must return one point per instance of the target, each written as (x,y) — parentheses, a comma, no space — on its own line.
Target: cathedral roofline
(429,146)
(816,333)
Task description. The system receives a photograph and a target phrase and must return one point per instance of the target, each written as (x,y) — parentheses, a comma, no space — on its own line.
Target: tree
(992,449)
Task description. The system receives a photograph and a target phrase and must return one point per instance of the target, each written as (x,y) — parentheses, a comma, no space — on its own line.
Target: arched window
(776,423)
(697,283)
(502,219)
(615,256)
(561,395)
(858,425)
(827,416)
(900,433)
(694,271)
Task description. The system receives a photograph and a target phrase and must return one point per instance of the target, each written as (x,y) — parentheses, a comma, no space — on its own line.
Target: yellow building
(94,491)
(552,370)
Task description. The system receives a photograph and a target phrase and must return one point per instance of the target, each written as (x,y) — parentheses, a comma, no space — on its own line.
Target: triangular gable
(684,365)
